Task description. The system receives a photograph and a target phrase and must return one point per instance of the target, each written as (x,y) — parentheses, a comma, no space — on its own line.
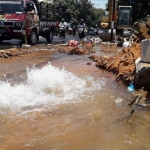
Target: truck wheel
(49,36)
(32,39)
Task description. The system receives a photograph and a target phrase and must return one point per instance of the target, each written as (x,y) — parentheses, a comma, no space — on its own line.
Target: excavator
(118,22)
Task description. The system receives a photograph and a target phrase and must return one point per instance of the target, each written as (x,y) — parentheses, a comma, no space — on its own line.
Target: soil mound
(14,52)
(122,65)
(75,50)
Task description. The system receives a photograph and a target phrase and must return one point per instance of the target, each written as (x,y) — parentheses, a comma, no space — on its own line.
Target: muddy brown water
(54,101)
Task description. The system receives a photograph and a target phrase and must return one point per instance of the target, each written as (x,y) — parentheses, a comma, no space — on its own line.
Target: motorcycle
(62,31)
(81,31)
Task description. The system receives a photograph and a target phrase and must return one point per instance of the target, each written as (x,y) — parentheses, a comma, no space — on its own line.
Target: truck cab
(27,20)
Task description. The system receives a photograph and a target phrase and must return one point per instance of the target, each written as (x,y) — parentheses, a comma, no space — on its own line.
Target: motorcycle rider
(83,26)
(81,23)
(63,25)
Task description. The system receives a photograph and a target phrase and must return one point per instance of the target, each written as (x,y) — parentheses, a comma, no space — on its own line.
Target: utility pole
(112,20)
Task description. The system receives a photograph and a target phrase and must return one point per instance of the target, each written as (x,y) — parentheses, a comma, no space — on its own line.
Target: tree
(74,10)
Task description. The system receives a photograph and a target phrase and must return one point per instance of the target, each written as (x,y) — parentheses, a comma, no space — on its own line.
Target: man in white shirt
(62,28)
(63,24)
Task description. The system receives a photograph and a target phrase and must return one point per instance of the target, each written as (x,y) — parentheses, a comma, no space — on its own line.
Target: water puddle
(54,101)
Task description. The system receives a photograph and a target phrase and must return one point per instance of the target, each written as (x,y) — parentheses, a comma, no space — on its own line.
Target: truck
(118,21)
(27,20)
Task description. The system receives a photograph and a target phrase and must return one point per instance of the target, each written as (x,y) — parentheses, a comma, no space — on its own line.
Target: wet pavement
(56,39)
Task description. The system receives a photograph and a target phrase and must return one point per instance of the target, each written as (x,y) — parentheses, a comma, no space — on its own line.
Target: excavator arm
(119,18)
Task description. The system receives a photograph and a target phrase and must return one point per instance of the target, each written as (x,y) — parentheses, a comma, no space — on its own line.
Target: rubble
(75,50)
(142,29)
(122,65)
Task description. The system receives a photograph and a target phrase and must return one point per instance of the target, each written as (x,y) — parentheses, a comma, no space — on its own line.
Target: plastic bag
(131,88)
(72,43)
(88,44)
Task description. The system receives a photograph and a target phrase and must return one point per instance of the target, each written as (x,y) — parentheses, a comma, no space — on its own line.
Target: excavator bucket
(105,34)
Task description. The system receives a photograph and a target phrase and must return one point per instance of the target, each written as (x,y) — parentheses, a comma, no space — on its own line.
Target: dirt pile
(14,52)
(75,50)
(142,29)
(122,65)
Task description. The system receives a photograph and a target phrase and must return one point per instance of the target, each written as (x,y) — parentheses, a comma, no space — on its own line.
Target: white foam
(47,86)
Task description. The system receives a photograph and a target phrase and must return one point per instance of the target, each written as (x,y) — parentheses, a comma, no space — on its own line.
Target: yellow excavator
(118,22)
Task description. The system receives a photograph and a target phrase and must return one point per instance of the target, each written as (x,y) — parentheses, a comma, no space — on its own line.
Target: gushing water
(47,87)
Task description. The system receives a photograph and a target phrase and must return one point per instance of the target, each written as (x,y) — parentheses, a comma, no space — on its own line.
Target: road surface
(56,39)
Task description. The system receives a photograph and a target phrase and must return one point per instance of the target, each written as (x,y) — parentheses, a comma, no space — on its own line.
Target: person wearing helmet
(63,23)
(30,9)
(81,23)
(62,28)
(81,29)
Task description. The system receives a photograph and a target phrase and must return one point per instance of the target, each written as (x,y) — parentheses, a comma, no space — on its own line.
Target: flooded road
(54,101)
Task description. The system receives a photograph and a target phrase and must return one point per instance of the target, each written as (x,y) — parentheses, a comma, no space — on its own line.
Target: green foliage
(141,8)
(74,10)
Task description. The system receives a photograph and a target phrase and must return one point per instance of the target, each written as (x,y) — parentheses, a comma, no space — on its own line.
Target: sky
(99,3)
